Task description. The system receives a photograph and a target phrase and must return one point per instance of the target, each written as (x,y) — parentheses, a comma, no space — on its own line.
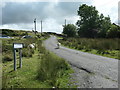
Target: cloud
(119,13)
(24,1)
(2,4)
(25,13)
(51,25)
(20,14)
(19,26)
(107,7)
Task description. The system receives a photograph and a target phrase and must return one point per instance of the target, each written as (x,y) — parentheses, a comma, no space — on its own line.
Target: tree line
(91,24)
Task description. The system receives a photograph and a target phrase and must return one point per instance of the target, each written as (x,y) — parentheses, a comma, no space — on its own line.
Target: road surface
(91,71)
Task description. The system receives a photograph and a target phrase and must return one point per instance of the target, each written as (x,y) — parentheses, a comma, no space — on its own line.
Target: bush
(70,30)
(113,32)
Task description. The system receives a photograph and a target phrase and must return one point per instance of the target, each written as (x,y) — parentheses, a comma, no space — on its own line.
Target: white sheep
(32,45)
(58,45)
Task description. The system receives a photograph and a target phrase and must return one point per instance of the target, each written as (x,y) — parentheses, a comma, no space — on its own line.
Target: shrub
(70,30)
(113,32)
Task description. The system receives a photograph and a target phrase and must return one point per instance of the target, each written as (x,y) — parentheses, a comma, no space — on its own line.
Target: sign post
(20,54)
(15,47)
(14,59)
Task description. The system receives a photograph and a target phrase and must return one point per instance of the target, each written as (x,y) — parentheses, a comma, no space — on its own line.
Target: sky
(19,15)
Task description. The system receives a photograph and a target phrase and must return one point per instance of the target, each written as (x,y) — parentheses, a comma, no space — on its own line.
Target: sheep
(32,45)
(58,45)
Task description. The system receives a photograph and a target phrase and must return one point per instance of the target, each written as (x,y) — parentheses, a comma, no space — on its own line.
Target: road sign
(17,45)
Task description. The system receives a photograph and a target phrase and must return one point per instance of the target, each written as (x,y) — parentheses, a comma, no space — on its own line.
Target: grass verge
(24,77)
(42,70)
(108,47)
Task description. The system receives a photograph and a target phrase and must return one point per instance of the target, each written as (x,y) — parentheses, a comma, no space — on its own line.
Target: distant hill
(9,32)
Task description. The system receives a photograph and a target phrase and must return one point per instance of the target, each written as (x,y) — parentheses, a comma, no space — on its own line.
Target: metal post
(20,57)
(14,60)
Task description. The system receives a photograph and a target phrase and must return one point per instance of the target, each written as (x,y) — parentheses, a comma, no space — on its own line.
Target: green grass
(0,70)
(104,47)
(59,37)
(112,54)
(24,77)
(29,76)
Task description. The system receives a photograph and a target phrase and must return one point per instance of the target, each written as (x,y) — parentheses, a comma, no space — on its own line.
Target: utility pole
(35,24)
(65,22)
(32,30)
(41,27)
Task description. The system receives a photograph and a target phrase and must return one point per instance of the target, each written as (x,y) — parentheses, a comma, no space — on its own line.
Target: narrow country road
(91,71)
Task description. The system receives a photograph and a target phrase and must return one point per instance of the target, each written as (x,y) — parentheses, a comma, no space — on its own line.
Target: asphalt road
(91,71)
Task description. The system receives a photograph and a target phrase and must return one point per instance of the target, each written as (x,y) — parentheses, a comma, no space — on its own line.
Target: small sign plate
(17,45)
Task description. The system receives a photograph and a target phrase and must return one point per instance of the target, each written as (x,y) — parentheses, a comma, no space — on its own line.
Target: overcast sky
(20,15)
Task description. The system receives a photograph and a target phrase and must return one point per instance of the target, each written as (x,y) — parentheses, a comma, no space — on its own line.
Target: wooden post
(14,59)
(20,57)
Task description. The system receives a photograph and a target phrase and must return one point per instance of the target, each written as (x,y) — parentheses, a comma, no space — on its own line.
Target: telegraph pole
(35,24)
(41,27)
(65,22)
(32,30)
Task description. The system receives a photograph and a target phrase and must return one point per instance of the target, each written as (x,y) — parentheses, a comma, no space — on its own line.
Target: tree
(104,25)
(88,26)
(91,24)
(113,32)
(70,30)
